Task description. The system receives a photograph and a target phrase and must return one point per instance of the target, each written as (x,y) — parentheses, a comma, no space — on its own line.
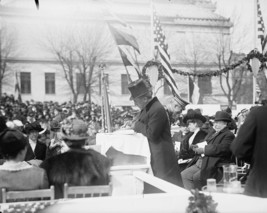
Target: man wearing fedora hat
(152,121)
(214,154)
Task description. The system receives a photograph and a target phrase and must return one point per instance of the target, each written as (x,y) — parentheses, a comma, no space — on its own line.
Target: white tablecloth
(135,144)
(124,183)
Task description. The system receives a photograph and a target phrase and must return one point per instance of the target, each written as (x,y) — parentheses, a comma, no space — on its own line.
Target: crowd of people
(43,144)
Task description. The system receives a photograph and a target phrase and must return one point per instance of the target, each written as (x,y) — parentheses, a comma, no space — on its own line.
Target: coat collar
(150,103)
(15,166)
(215,134)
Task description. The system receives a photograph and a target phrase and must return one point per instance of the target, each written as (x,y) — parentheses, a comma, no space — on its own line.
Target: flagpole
(255,46)
(152,30)
(102,101)
(188,83)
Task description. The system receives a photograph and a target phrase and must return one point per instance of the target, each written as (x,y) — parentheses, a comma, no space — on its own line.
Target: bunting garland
(253,54)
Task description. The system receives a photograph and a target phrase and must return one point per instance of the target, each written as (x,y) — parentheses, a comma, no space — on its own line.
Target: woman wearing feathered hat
(194,120)
(77,166)
(153,123)
(215,154)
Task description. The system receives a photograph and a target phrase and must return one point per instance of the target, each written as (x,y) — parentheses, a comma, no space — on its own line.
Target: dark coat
(39,152)
(153,123)
(217,153)
(185,151)
(77,168)
(250,145)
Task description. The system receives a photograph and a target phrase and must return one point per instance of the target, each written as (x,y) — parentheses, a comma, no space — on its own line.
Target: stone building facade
(192,28)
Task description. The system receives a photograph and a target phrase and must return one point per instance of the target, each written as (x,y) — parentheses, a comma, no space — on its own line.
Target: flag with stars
(261,29)
(161,49)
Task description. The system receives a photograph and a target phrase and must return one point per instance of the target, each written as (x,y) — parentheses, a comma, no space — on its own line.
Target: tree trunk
(75,98)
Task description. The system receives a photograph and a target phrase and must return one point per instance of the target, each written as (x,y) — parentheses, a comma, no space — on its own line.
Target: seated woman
(77,166)
(212,156)
(16,174)
(194,121)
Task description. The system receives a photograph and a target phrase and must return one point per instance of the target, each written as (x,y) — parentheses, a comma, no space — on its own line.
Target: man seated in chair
(77,166)
(16,174)
(212,156)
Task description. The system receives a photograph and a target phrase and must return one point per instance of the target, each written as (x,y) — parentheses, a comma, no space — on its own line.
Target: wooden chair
(31,195)
(86,191)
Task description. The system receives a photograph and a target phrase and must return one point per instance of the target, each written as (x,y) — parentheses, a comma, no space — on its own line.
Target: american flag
(261,29)
(161,48)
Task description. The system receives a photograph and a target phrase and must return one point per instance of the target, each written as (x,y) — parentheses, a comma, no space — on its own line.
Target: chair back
(86,191)
(30,195)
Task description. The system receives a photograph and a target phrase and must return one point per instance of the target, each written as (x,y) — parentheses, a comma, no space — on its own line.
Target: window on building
(205,86)
(25,82)
(50,83)
(79,83)
(124,84)
(167,89)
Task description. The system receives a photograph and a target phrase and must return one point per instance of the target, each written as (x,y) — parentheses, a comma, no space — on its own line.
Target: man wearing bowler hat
(214,154)
(152,121)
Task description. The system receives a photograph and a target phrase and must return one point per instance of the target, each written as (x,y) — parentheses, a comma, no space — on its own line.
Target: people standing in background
(153,122)
(251,147)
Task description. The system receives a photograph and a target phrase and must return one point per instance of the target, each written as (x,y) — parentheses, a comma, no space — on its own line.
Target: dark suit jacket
(153,123)
(217,153)
(39,152)
(250,145)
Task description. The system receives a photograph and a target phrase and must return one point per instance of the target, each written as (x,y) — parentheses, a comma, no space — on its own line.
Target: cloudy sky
(243,12)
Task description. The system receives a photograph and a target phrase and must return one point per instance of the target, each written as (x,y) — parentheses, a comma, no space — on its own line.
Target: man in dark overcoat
(217,151)
(214,154)
(250,145)
(153,123)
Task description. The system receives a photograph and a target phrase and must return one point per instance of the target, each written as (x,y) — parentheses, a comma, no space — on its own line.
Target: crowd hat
(138,88)
(75,130)
(222,116)
(55,125)
(34,126)
(194,115)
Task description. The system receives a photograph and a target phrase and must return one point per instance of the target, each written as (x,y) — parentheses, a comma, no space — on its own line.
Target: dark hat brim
(131,98)
(74,137)
(196,116)
(223,119)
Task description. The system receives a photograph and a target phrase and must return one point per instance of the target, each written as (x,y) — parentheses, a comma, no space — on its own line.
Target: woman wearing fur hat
(214,154)
(77,166)
(194,121)
(153,123)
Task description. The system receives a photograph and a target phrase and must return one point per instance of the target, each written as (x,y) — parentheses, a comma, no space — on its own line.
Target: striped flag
(161,48)
(17,89)
(261,29)
(106,114)
(127,46)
